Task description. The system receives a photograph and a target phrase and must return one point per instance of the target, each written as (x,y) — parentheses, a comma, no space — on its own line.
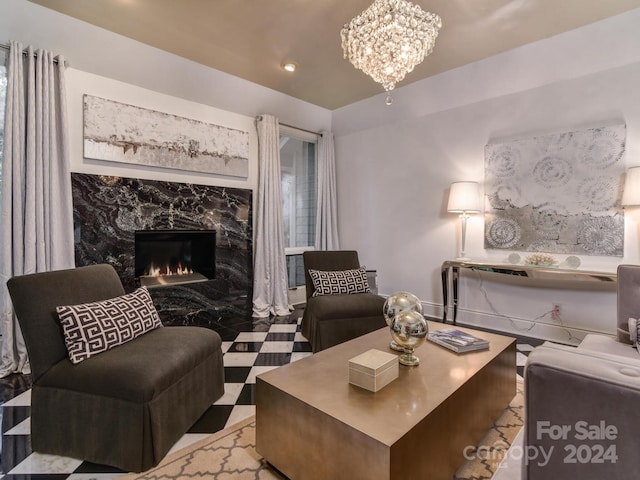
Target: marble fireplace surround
(108,210)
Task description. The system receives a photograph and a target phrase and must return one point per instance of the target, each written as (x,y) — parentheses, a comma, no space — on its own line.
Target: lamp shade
(631,195)
(464,197)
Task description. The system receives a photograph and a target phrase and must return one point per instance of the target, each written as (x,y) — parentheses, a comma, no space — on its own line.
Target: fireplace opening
(170,257)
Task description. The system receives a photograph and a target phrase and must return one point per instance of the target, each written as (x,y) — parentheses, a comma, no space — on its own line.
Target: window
(299,196)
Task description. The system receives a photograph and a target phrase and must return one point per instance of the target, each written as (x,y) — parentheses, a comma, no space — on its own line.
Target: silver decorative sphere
(397,303)
(400,302)
(409,330)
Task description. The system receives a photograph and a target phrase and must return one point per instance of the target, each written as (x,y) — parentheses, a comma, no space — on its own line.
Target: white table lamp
(464,198)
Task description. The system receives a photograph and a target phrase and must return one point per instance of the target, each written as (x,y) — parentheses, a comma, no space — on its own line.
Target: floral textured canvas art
(557,193)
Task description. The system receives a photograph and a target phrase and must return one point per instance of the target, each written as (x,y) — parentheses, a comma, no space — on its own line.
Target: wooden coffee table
(312,424)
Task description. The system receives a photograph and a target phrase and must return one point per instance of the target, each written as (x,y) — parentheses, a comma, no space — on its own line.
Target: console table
(451,273)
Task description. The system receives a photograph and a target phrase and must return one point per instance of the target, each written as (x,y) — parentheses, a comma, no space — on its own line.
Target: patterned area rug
(483,462)
(230,454)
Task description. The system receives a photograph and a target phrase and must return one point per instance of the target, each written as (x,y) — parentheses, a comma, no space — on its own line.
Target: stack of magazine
(457,340)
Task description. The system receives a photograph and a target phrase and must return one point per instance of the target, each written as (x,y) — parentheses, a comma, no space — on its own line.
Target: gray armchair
(332,319)
(582,404)
(125,407)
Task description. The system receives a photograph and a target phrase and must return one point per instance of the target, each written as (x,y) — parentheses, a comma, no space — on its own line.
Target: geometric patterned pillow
(339,282)
(91,328)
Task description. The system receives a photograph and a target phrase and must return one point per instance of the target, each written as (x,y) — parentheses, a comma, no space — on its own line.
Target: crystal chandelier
(388,39)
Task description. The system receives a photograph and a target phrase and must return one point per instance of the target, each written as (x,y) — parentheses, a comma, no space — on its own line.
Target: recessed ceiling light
(289,66)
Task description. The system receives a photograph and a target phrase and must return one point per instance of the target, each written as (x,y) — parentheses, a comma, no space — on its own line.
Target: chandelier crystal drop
(388,39)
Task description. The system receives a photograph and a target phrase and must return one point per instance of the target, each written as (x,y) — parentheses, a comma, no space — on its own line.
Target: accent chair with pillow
(111,385)
(340,305)
(582,403)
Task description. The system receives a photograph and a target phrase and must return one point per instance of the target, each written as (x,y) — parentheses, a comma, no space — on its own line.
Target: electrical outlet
(555,311)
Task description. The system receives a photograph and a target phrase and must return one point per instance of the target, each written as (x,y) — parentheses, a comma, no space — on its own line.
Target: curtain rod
(301,129)
(6,47)
(259,117)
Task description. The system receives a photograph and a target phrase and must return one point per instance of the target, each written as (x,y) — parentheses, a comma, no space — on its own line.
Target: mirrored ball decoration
(396,303)
(409,330)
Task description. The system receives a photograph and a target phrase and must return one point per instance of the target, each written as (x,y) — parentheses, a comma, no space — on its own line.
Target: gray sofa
(582,404)
(125,407)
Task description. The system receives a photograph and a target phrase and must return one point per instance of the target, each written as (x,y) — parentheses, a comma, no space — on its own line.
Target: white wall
(395,165)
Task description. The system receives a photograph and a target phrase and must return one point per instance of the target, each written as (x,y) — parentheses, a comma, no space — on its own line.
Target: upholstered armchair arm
(582,415)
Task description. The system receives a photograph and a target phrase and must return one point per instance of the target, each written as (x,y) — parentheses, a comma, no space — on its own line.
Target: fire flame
(167,270)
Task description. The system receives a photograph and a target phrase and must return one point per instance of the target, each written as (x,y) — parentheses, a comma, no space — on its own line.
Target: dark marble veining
(108,210)
(209,304)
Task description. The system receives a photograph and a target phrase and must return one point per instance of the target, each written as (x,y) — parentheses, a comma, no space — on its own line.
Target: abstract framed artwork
(557,193)
(118,132)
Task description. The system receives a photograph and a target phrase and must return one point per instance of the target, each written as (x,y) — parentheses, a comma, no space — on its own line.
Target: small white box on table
(373,369)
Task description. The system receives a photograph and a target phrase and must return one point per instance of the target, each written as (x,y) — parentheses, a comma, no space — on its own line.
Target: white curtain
(36,216)
(270,283)
(327,209)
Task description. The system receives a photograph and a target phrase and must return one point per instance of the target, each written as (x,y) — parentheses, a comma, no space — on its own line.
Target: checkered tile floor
(267,346)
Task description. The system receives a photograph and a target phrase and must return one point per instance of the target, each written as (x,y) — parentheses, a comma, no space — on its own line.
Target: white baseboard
(516,326)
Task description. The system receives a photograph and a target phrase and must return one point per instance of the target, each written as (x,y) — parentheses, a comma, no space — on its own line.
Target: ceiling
(252,38)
